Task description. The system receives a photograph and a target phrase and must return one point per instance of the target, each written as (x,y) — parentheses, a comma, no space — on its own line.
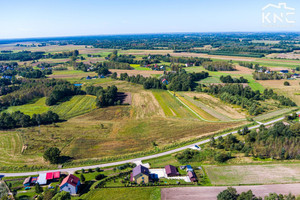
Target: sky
(50,18)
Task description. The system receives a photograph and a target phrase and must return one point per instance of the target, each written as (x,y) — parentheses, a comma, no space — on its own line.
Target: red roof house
(70,184)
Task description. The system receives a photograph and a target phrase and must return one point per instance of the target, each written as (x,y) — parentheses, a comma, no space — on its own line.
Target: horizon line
(154,33)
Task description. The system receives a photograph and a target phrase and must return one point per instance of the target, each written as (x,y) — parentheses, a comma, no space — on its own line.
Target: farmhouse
(140,174)
(171,171)
(70,184)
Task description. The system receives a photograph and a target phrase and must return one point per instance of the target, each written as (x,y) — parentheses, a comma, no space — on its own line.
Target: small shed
(171,171)
(42,179)
(27,181)
(192,176)
(49,176)
(189,168)
(56,175)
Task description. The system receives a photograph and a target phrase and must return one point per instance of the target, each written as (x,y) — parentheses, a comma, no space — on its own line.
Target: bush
(99,177)
(286,83)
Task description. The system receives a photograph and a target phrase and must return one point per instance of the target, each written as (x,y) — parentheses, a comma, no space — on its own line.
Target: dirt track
(211,193)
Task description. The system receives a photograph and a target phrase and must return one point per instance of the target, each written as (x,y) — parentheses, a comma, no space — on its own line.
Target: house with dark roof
(140,174)
(192,176)
(171,171)
(70,184)
(284,71)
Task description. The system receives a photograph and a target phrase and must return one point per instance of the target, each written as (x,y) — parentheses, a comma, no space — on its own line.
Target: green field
(36,106)
(138,67)
(77,105)
(150,193)
(171,106)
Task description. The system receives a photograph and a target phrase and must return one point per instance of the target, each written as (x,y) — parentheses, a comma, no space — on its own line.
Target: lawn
(253,174)
(150,193)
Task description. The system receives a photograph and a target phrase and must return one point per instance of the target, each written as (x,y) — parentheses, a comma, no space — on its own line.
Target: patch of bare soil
(211,193)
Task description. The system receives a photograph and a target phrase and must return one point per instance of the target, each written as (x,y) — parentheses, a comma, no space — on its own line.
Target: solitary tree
(82,178)
(38,188)
(52,155)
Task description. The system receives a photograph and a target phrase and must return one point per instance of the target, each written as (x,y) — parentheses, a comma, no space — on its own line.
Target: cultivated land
(211,193)
(253,174)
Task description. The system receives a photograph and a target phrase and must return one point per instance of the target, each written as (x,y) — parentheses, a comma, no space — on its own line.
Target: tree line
(229,79)
(18,119)
(244,96)
(231,194)
(219,66)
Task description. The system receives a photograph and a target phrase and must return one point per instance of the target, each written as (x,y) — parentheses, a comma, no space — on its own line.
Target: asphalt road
(71,170)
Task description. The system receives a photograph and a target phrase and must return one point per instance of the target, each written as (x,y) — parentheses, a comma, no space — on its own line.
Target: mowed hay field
(11,145)
(171,106)
(77,105)
(121,130)
(215,106)
(292,91)
(254,174)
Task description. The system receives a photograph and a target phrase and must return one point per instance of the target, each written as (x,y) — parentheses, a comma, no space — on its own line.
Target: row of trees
(267,76)
(231,194)
(219,66)
(18,119)
(190,155)
(229,79)
(22,56)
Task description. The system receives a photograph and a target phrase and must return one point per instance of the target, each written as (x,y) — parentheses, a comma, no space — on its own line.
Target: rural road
(211,193)
(72,170)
